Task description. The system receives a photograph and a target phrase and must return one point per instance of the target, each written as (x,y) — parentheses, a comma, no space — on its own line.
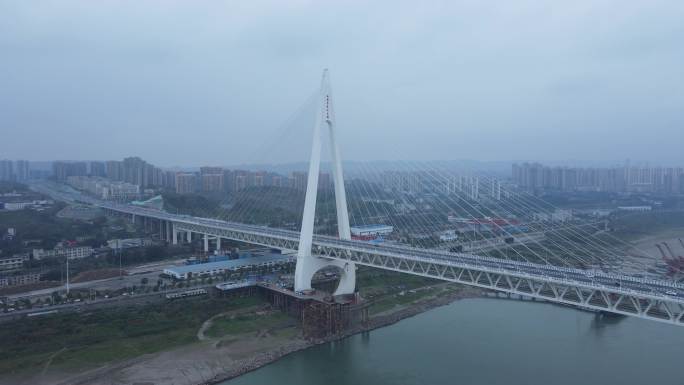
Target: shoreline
(379,321)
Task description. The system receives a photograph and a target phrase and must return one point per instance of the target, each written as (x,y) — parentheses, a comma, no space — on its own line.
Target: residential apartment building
(68,252)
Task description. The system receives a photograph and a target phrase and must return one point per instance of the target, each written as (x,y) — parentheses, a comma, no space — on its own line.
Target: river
(490,342)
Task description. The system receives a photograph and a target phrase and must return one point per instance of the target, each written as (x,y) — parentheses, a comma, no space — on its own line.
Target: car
(671,292)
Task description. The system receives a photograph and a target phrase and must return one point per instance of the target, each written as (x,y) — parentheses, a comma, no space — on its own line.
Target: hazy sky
(205,82)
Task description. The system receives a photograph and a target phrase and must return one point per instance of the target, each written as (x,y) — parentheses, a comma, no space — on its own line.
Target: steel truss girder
(557,291)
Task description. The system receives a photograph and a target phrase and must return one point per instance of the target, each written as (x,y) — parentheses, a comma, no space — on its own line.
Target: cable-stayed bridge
(644,298)
(653,299)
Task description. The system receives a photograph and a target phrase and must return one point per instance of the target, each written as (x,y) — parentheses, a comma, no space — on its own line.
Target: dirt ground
(188,365)
(645,252)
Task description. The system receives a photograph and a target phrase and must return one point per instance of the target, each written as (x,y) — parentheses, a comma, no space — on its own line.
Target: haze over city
(192,83)
(301,192)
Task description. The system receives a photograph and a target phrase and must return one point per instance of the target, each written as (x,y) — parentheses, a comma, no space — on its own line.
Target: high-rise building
(23,171)
(62,169)
(277,181)
(97,169)
(212,179)
(114,170)
(6,170)
(211,170)
(534,176)
(228,180)
(324,181)
(299,180)
(212,182)
(185,183)
(169,179)
(135,171)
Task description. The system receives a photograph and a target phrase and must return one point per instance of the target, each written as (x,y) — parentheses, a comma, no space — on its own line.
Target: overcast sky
(205,82)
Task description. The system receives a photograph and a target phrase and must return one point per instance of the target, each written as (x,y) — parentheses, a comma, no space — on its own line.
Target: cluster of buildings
(36,204)
(13,271)
(218,179)
(132,170)
(13,201)
(416,182)
(104,188)
(14,170)
(208,269)
(487,224)
(535,176)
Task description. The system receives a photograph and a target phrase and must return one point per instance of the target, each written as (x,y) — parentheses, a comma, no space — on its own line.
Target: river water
(490,342)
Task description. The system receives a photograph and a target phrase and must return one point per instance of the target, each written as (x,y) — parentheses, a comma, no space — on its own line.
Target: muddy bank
(214,360)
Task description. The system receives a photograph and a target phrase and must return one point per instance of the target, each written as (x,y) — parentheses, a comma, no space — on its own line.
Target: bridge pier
(168,225)
(175,234)
(206,243)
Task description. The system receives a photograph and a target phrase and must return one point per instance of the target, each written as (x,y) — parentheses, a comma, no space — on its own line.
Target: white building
(634,208)
(14,206)
(448,236)
(128,243)
(18,280)
(15,262)
(105,189)
(371,230)
(69,252)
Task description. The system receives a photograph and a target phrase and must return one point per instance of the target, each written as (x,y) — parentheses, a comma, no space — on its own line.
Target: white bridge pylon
(308,264)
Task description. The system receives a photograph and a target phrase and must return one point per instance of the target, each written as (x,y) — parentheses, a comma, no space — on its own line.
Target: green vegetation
(374,281)
(408,297)
(47,227)
(389,289)
(246,323)
(90,339)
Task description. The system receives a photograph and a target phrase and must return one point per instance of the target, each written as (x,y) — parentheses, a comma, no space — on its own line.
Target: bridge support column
(167,224)
(308,264)
(218,243)
(206,243)
(188,236)
(175,234)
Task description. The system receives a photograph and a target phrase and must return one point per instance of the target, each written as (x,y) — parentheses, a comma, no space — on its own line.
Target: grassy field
(246,323)
(388,302)
(90,339)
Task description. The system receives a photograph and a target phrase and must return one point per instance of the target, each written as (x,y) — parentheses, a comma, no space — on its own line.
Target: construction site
(320,314)
(674,261)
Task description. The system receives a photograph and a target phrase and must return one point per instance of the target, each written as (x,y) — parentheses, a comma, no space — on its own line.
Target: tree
(144,281)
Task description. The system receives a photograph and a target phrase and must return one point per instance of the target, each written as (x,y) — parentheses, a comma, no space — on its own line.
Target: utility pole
(67,275)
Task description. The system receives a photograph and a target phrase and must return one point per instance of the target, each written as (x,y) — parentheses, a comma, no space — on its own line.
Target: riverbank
(215,358)
(376,321)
